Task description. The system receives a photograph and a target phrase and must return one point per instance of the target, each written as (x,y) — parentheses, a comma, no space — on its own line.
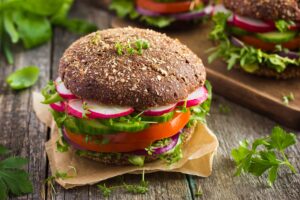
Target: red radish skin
(74,108)
(252,25)
(158,111)
(62,90)
(195,98)
(58,106)
(102,111)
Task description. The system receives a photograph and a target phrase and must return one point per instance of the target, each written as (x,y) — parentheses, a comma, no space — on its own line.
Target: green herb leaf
(141,188)
(23,78)
(159,22)
(13,179)
(50,94)
(280,139)
(33,29)
(283,25)
(106,191)
(269,157)
(288,98)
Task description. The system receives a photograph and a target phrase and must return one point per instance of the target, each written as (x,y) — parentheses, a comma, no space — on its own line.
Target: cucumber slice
(125,126)
(93,127)
(237,31)
(86,126)
(71,125)
(277,37)
(163,118)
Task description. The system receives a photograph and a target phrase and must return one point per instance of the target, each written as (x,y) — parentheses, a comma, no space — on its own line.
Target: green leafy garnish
(266,154)
(61,144)
(50,94)
(140,188)
(283,25)
(199,192)
(124,8)
(72,172)
(30,22)
(199,113)
(249,58)
(13,179)
(132,48)
(288,98)
(23,78)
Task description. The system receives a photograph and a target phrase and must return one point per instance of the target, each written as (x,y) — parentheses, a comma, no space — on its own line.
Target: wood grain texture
(25,135)
(257,93)
(21,131)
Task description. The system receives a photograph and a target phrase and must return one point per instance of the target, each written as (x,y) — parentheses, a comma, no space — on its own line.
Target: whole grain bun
(288,73)
(266,9)
(163,74)
(122,158)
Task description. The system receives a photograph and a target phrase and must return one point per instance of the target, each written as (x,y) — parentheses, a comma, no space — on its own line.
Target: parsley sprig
(140,188)
(266,154)
(13,178)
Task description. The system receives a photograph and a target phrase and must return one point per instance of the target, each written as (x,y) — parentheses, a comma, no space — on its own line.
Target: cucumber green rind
(163,118)
(86,126)
(277,37)
(125,126)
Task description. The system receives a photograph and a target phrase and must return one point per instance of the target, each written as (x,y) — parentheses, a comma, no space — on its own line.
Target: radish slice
(74,108)
(58,106)
(195,98)
(157,111)
(252,25)
(62,90)
(102,111)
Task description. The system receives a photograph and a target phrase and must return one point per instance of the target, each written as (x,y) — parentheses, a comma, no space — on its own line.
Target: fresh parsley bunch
(31,21)
(266,154)
(13,179)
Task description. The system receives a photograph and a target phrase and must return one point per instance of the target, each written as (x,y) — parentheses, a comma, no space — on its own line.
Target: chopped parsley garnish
(288,98)
(266,154)
(132,48)
(140,188)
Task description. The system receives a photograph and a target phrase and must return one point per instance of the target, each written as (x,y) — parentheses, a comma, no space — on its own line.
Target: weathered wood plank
(242,124)
(21,131)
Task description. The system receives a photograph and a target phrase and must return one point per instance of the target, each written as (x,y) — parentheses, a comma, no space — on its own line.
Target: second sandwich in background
(260,37)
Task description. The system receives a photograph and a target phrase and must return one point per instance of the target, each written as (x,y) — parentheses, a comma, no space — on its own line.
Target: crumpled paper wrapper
(197,158)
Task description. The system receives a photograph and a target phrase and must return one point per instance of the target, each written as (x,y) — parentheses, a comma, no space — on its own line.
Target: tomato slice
(164,8)
(267,46)
(126,142)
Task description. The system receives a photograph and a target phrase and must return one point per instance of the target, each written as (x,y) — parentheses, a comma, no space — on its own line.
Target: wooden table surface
(25,135)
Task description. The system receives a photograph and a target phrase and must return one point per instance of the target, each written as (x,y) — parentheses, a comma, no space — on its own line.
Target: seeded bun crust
(122,159)
(165,73)
(266,9)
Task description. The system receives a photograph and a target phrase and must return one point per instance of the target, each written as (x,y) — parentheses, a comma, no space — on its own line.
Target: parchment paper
(197,156)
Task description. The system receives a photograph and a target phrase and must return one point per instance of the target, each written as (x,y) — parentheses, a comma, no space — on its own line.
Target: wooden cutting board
(260,94)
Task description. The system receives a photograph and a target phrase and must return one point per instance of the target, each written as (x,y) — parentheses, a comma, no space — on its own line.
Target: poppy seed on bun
(162,74)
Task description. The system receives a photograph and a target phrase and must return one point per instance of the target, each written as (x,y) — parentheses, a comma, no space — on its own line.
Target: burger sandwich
(259,36)
(163,13)
(128,96)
